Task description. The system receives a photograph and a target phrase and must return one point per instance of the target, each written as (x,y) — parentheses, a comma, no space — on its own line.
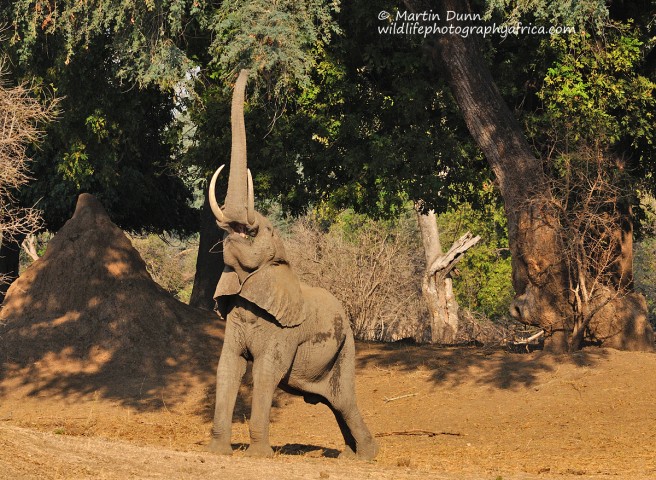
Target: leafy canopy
(594,93)
(146,37)
(118,143)
(278,40)
(580,13)
(371,128)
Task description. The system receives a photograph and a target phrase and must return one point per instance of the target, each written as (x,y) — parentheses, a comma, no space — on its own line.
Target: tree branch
(445,263)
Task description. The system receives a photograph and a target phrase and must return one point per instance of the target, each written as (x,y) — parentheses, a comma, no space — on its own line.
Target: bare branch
(21,118)
(29,246)
(445,263)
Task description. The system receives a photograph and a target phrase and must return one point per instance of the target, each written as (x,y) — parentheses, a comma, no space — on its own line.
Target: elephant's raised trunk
(239,199)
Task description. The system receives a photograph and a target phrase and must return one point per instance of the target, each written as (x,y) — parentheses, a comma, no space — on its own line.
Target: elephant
(297,337)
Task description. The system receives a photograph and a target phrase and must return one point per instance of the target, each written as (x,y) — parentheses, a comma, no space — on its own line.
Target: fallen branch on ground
(400,397)
(412,433)
(529,339)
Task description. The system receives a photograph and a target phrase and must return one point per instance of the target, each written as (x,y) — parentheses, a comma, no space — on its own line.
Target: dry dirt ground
(456,413)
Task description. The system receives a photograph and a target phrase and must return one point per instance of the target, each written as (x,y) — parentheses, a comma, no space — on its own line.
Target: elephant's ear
(228,285)
(276,289)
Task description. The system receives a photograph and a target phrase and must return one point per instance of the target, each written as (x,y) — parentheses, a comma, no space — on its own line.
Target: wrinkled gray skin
(297,336)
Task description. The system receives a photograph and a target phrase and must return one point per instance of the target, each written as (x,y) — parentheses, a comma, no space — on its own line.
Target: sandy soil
(438,413)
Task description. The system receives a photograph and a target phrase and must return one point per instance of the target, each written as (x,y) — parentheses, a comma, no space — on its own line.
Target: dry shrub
(21,116)
(589,207)
(170,261)
(373,268)
(474,328)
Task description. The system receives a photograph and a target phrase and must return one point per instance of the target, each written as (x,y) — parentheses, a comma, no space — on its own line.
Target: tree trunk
(437,293)
(29,247)
(437,285)
(9,263)
(539,275)
(623,268)
(209,264)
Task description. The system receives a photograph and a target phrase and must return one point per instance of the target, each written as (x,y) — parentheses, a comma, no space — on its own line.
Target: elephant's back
(318,297)
(322,309)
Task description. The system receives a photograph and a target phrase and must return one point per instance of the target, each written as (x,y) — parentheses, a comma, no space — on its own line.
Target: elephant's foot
(219,447)
(259,450)
(367,450)
(347,453)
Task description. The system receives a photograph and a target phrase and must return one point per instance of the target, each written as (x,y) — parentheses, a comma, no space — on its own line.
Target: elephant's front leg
(231,369)
(268,370)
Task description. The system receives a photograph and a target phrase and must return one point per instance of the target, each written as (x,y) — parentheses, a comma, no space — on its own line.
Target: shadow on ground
(495,368)
(296,449)
(87,319)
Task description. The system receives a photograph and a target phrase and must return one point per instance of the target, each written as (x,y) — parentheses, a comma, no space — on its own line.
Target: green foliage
(143,33)
(390,129)
(589,90)
(274,154)
(278,40)
(597,119)
(353,136)
(482,281)
(75,166)
(350,226)
(578,13)
(594,94)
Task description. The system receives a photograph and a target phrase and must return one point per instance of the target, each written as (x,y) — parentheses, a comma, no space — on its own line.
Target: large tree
(541,277)
(117,136)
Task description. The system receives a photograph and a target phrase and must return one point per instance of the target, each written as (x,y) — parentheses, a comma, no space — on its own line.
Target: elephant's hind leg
(349,441)
(357,437)
(340,393)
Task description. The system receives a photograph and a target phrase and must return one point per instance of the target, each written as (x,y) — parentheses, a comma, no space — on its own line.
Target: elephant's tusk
(251,199)
(216,210)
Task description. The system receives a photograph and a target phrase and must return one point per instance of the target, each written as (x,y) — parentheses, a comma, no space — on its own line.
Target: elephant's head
(256,265)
